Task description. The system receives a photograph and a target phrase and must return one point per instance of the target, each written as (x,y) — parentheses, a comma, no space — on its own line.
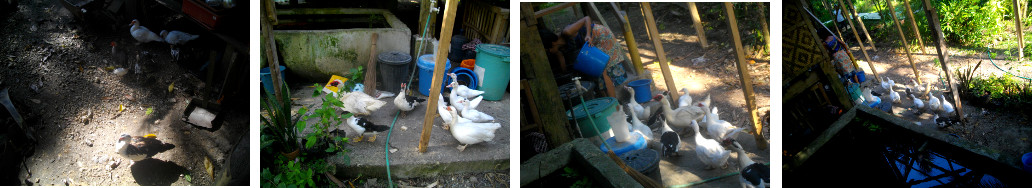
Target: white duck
(406,102)
(361,125)
(620,127)
(636,108)
(709,151)
(947,108)
(462,90)
(142,34)
(934,105)
(868,97)
(917,104)
(446,116)
(637,126)
(177,37)
(476,116)
(359,103)
(471,133)
(894,96)
(752,174)
(887,85)
(682,116)
(670,140)
(685,99)
(719,129)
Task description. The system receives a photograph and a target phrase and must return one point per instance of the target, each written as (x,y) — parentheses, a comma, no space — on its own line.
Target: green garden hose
(386,145)
(1001,69)
(711,179)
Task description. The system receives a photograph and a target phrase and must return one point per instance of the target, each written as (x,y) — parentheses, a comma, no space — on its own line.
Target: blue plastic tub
(642,90)
(621,148)
(1026,162)
(590,61)
(861,77)
(266,76)
(493,70)
(426,72)
(466,77)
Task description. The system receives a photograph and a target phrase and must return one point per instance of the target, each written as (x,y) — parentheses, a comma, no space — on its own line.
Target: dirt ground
(55,70)
(715,74)
(999,129)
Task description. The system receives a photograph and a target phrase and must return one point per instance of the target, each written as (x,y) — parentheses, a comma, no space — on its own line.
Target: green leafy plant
(357,76)
(1001,90)
(278,125)
(582,181)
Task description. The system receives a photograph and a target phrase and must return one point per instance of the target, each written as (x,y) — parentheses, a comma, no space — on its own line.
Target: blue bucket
(266,76)
(464,75)
(591,61)
(642,90)
(426,72)
(1026,162)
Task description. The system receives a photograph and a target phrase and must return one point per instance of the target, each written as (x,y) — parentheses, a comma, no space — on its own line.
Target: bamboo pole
(663,63)
(917,33)
(861,44)
(694,11)
(852,12)
(940,46)
(903,39)
(743,71)
(632,46)
(1018,27)
(435,88)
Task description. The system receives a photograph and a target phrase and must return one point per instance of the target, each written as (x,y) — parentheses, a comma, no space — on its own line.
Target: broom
(645,181)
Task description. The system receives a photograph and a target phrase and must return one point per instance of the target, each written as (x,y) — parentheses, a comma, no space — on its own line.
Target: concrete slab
(441,158)
(679,171)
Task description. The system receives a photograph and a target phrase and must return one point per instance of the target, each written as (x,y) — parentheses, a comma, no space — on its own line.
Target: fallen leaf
(171,86)
(209,167)
(121,108)
(149,110)
(35,101)
(188,179)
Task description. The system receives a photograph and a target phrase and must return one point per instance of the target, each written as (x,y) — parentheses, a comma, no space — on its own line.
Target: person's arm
(571,30)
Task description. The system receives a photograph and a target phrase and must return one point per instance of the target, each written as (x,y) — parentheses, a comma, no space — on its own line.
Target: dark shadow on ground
(156,172)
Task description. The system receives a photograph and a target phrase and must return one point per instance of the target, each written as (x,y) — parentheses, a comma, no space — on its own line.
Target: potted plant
(279,127)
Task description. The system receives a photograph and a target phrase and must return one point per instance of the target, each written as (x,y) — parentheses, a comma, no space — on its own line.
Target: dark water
(867,153)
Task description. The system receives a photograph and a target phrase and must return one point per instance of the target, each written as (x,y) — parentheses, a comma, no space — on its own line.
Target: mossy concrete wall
(317,54)
(578,153)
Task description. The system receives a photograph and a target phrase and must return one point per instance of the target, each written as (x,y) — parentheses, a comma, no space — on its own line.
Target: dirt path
(55,70)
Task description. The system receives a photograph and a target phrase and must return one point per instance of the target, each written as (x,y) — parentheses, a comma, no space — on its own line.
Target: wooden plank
(1018,27)
(632,46)
(917,33)
(903,39)
(852,12)
(663,63)
(524,85)
(549,10)
(540,80)
(744,77)
(370,72)
(940,47)
(270,57)
(842,7)
(694,11)
(440,60)
(270,7)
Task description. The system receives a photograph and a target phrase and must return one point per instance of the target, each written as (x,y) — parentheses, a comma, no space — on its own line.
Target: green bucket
(492,69)
(599,109)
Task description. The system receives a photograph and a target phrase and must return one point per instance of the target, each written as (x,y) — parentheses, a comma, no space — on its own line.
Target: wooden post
(538,73)
(632,46)
(435,88)
(663,63)
(903,39)
(1018,27)
(370,72)
(917,33)
(940,46)
(549,10)
(598,16)
(271,55)
(746,80)
(694,11)
(648,31)
(842,7)
(852,12)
